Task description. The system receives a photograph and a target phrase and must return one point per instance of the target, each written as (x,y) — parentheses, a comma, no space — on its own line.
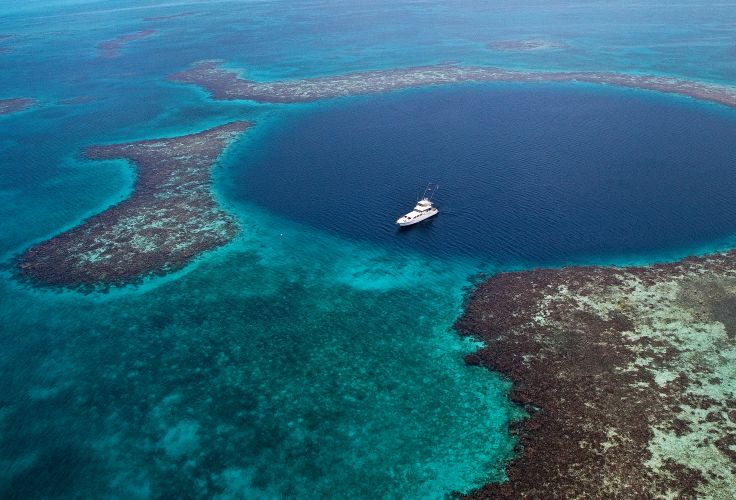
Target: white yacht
(422,211)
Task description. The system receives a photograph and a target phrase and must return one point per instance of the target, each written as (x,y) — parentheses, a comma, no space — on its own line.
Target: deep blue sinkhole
(538,174)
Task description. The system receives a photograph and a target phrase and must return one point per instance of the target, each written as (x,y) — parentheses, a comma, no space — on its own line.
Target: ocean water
(314,358)
(539,174)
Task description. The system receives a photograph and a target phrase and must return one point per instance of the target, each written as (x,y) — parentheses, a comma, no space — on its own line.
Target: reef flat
(13,105)
(170,218)
(223,83)
(111,48)
(628,375)
(524,45)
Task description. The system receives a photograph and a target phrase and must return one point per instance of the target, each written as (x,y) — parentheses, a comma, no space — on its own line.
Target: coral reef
(13,105)
(170,218)
(111,48)
(222,83)
(628,376)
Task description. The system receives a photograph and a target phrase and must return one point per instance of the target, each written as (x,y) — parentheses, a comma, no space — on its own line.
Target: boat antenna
(436,188)
(432,189)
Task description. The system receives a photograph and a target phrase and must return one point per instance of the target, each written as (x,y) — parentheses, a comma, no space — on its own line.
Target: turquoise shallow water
(254,373)
(297,361)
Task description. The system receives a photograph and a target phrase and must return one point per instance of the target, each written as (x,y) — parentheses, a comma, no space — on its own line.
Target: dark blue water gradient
(528,174)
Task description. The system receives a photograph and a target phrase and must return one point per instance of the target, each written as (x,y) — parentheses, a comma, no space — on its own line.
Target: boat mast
(429,188)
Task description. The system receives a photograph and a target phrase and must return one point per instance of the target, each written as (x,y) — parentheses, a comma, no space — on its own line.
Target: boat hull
(416,220)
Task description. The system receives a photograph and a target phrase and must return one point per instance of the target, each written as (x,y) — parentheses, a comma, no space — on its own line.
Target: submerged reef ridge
(13,105)
(3,48)
(524,45)
(111,48)
(167,17)
(170,218)
(223,83)
(626,373)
